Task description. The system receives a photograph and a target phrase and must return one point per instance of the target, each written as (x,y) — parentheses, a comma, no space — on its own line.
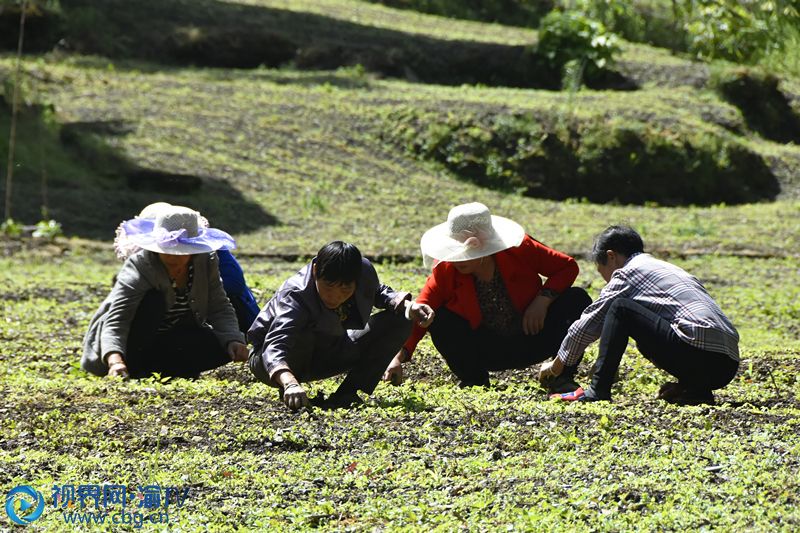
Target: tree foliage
(738,30)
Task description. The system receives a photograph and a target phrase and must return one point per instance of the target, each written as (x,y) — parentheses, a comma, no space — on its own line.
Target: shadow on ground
(213,33)
(90,186)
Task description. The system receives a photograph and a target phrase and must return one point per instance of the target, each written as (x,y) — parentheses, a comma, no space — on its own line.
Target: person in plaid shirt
(674,321)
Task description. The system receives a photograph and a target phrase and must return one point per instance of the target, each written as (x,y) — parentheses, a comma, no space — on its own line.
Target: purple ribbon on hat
(142,231)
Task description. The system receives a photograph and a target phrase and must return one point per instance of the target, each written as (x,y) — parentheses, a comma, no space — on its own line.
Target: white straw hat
(471,232)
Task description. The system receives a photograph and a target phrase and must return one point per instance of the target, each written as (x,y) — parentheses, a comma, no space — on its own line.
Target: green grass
(378,16)
(420,456)
(290,160)
(306,151)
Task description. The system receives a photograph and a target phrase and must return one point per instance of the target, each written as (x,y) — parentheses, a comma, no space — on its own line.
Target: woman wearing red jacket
(492,310)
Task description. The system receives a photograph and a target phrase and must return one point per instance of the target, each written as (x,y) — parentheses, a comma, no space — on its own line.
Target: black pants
(472,353)
(364,354)
(183,351)
(697,370)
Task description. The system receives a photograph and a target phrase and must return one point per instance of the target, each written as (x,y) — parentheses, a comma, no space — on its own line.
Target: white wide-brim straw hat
(170,229)
(471,232)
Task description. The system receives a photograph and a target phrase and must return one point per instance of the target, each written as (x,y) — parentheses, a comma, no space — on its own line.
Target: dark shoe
(591,396)
(679,395)
(464,384)
(318,400)
(339,400)
(669,391)
(564,382)
(697,398)
(560,384)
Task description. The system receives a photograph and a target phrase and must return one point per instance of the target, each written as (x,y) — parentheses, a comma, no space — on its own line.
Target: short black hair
(338,262)
(622,239)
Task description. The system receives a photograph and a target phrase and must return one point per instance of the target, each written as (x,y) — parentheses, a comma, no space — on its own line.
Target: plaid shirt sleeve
(588,327)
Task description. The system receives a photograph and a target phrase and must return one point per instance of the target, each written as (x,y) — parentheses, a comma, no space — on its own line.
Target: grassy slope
(379,16)
(305,149)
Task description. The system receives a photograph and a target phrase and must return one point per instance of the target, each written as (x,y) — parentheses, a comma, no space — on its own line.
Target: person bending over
(674,321)
(319,324)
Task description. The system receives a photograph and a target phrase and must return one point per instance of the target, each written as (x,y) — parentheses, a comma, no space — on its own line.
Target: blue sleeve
(235,286)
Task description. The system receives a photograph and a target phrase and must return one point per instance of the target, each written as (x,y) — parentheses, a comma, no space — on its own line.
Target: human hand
(394,372)
(237,351)
(533,319)
(550,369)
(420,314)
(295,397)
(117,366)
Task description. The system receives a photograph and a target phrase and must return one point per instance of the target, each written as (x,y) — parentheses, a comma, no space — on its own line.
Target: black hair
(338,262)
(621,239)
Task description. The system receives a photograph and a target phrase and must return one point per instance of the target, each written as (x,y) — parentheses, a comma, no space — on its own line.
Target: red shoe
(574,396)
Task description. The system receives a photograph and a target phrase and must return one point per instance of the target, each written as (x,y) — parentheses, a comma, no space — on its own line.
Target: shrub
(48,230)
(613,160)
(11,228)
(738,30)
(652,21)
(571,37)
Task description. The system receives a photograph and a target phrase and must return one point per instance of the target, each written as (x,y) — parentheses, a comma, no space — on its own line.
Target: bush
(614,160)
(11,228)
(738,30)
(722,29)
(48,230)
(570,37)
(644,21)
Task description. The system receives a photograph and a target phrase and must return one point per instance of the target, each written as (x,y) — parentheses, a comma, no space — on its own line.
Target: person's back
(674,321)
(680,298)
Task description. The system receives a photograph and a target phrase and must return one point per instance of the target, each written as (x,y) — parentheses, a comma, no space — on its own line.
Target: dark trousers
(364,354)
(183,351)
(697,370)
(472,353)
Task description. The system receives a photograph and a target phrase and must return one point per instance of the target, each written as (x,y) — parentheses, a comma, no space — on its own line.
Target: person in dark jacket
(493,311)
(167,312)
(233,281)
(319,324)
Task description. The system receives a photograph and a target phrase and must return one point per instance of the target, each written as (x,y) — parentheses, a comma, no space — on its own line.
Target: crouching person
(493,311)
(319,324)
(167,312)
(239,294)
(674,321)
